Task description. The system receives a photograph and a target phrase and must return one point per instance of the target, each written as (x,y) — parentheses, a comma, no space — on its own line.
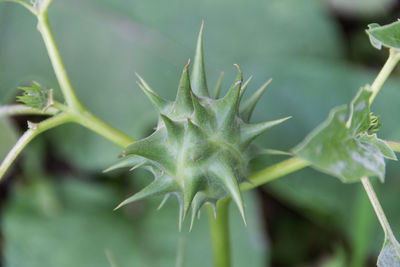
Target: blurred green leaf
(343,151)
(361,228)
(85,227)
(338,259)
(8,137)
(387,35)
(366,8)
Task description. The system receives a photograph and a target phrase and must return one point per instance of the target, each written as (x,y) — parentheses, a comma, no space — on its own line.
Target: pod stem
(219,227)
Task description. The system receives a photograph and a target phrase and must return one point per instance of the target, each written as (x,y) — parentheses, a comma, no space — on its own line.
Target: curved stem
(24,4)
(11,110)
(274,172)
(98,126)
(44,5)
(376,205)
(33,131)
(56,61)
(376,86)
(391,62)
(380,214)
(393,145)
(219,227)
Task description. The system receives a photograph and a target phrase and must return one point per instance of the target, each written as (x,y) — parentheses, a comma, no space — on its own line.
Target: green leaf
(345,150)
(383,147)
(387,35)
(390,253)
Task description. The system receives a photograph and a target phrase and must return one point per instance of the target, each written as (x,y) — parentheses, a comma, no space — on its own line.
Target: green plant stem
(180,250)
(391,62)
(78,112)
(98,126)
(274,172)
(44,5)
(11,110)
(219,227)
(24,4)
(32,132)
(393,59)
(56,61)
(394,145)
(379,212)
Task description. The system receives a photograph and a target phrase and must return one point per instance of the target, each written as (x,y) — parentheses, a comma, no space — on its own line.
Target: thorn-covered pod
(199,151)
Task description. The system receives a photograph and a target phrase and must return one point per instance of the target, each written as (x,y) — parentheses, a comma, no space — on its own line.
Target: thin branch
(393,145)
(33,131)
(17,109)
(391,62)
(44,5)
(380,213)
(56,61)
(33,10)
(219,227)
(274,172)
(98,126)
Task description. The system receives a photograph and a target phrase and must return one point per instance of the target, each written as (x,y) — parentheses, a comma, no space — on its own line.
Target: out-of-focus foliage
(366,8)
(104,42)
(7,136)
(80,231)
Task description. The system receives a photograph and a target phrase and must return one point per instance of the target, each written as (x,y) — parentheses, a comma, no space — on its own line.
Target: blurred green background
(56,205)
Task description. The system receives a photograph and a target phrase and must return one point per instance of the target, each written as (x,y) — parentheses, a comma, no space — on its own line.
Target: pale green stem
(180,251)
(35,130)
(11,110)
(25,4)
(391,62)
(394,57)
(44,5)
(56,61)
(79,113)
(98,126)
(380,213)
(394,145)
(274,172)
(219,227)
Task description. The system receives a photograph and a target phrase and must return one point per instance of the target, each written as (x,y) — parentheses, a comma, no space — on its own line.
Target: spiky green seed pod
(36,96)
(200,149)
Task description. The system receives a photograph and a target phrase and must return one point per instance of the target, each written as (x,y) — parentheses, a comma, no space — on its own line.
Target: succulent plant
(201,147)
